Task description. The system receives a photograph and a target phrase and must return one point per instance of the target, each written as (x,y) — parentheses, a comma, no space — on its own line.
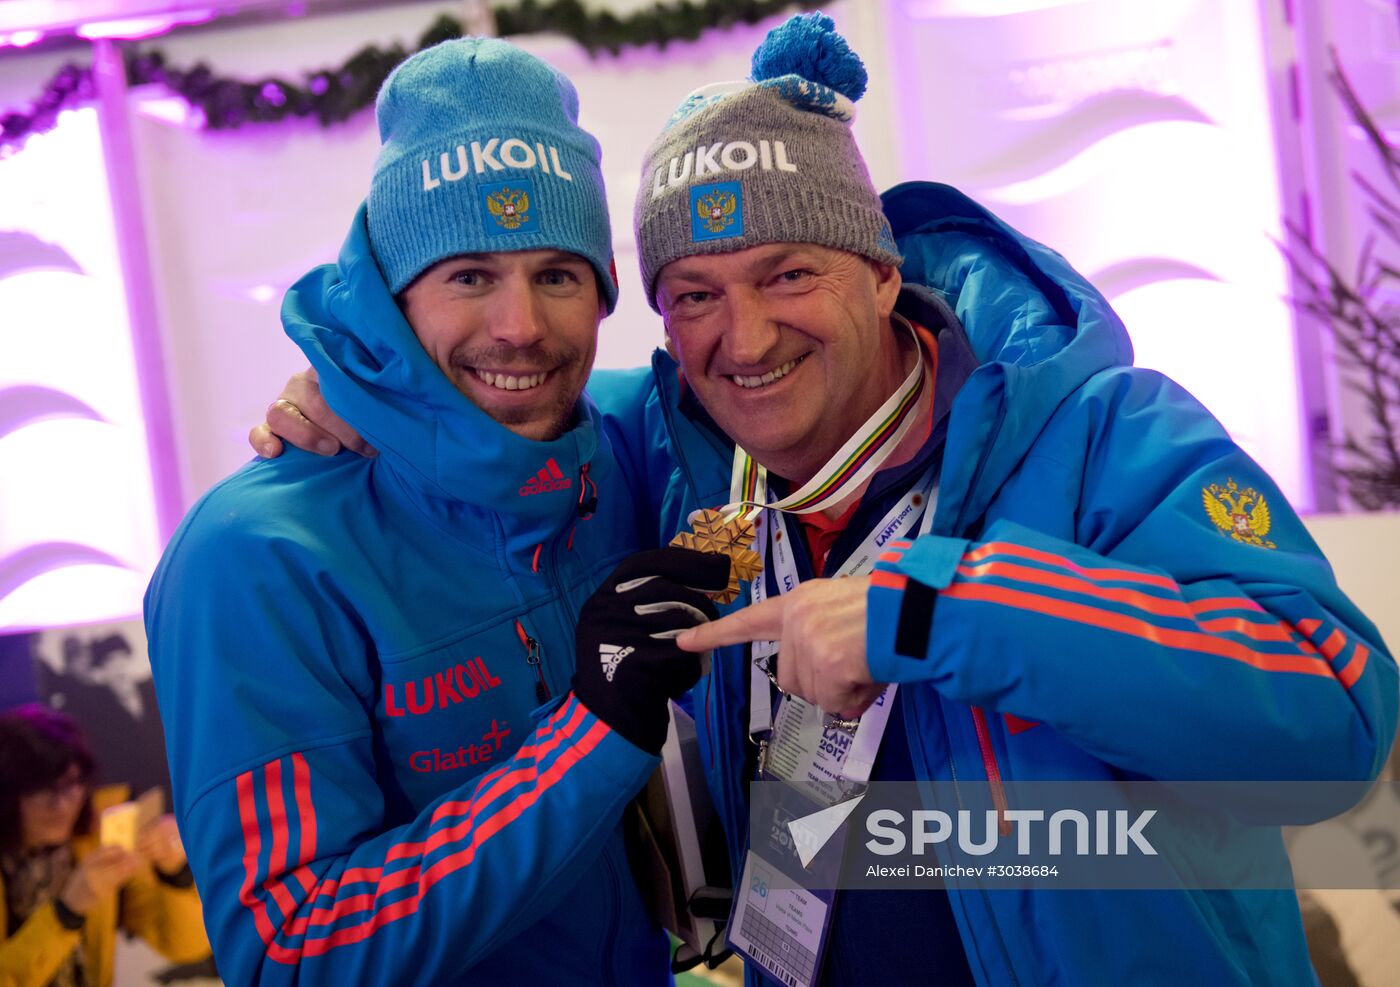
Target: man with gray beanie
(1053,565)
(382,772)
(1054,561)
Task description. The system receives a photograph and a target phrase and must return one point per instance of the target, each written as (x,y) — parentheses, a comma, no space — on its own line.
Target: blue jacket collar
(1037,327)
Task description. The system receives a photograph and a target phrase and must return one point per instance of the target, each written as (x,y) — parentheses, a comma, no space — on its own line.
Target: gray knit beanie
(482,153)
(769,161)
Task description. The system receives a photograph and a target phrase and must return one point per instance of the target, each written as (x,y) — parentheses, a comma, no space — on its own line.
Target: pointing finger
(759,622)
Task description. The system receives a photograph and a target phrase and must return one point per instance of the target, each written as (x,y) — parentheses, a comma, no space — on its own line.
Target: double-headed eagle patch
(1243,514)
(716,210)
(511,209)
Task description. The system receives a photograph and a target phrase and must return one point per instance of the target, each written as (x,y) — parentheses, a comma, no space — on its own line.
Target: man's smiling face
(785,344)
(514,332)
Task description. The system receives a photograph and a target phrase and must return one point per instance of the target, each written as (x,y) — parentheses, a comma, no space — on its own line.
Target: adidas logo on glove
(611,656)
(635,615)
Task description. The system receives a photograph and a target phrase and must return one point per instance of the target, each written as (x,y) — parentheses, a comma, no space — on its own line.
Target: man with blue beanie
(1054,565)
(381,771)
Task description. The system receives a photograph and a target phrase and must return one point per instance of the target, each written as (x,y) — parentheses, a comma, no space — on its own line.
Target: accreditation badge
(783,904)
(782,930)
(808,750)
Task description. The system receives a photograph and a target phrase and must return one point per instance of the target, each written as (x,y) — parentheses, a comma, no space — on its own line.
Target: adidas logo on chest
(550,477)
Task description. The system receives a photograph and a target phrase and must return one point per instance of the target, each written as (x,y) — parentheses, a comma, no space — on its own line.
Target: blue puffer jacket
(1094,619)
(350,656)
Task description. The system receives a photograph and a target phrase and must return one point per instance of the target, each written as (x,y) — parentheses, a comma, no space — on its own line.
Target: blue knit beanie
(482,153)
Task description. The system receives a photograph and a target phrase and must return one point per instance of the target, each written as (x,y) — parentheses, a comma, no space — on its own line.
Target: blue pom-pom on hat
(808,46)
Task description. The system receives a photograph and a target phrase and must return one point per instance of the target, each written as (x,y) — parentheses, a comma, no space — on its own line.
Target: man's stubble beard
(556,418)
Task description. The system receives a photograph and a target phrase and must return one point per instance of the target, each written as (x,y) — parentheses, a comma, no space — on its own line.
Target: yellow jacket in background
(168,918)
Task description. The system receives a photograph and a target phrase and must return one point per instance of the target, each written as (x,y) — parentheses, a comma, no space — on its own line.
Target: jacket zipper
(587,494)
(989,761)
(587,504)
(532,658)
(953,773)
(979,722)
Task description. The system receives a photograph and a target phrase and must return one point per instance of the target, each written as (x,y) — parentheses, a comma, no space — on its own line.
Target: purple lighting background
(1159,147)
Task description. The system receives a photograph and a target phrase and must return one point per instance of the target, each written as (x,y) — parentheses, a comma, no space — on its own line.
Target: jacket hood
(1038,329)
(377,376)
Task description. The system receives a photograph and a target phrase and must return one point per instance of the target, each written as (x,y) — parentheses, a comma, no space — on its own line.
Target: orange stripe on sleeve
(305,878)
(477,810)
(889,580)
(1335,643)
(1035,555)
(277,858)
(496,782)
(1348,675)
(1156,605)
(277,815)
(306,812)
(1123,624)
(252,846)
(441,868)
(403,851)
(1228,603)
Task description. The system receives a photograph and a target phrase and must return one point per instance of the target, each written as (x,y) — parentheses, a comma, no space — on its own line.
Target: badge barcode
(773,967)
(777,951)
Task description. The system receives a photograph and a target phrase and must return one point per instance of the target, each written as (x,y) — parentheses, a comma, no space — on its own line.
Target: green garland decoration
(334,95)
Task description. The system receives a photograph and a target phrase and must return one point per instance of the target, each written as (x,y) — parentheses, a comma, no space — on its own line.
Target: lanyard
(916,507)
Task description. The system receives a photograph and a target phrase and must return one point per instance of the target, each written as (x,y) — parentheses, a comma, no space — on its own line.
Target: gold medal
(713,534)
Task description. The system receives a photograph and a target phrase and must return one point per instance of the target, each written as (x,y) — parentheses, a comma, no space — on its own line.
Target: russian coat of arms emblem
(716,210)
(1241,513)
(511,209)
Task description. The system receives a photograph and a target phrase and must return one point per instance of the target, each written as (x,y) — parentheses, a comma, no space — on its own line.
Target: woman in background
(62,895)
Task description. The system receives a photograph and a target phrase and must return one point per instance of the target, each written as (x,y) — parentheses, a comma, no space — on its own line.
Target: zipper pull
(532,658)
(587,494)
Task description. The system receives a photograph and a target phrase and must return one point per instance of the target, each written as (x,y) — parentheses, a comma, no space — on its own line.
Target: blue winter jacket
(350,655)
(1093,620)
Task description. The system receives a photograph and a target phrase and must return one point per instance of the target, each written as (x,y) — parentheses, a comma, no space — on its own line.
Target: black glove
(628,664)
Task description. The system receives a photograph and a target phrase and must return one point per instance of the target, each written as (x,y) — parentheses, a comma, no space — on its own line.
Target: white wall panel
(1137,140)
(77,519)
